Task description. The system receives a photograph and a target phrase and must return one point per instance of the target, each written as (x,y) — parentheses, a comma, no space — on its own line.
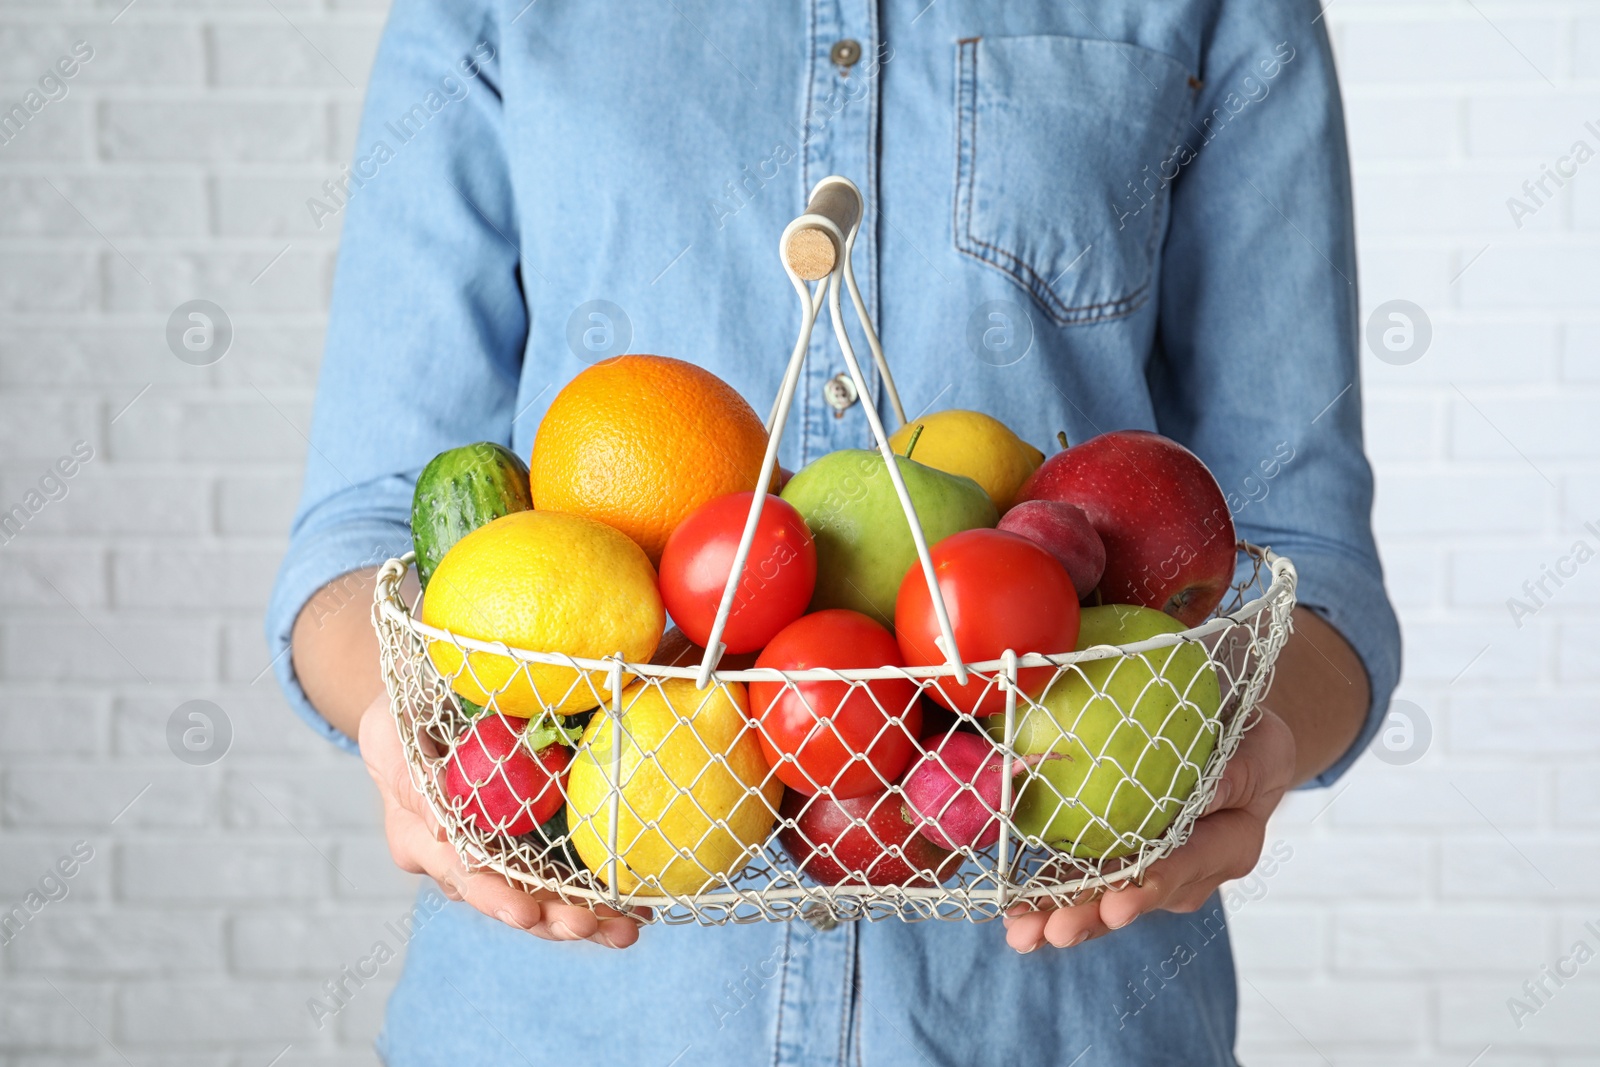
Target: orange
(639,442)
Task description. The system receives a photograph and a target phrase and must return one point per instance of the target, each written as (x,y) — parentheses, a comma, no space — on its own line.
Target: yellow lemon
(696,795)
(542,581)
(971,443)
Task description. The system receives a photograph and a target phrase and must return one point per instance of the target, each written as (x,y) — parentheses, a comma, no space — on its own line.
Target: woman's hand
(1225,844)
(418,845)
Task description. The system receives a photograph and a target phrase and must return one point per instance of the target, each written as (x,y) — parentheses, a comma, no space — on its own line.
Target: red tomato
(851,738)
(506,788)
(779,573)
(1002,592)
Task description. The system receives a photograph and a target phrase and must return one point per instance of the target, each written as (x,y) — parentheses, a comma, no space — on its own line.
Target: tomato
(862,840)
(1002,592)
(504,787)
(851,738)
(779,573)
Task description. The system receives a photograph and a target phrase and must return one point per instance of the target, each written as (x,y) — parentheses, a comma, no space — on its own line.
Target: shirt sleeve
(1257,362)
(428,321)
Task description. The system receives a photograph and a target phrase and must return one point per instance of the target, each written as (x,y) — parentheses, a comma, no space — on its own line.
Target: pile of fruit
(630,513)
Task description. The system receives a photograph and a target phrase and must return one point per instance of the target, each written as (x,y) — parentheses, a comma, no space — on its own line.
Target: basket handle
(812,250)
(817,247)
(837,200)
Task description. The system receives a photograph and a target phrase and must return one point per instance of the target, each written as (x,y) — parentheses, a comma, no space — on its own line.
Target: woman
(1086,216)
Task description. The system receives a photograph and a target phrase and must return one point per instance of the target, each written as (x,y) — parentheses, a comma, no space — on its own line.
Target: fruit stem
(1023,763)
(913,442)
(1061,436)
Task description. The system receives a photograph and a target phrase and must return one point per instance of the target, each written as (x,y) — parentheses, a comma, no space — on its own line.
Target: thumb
(1262,765)
(381,751)
(379,742)
(1222,799)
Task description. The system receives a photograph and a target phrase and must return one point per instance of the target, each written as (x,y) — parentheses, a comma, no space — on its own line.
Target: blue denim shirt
(1082,216)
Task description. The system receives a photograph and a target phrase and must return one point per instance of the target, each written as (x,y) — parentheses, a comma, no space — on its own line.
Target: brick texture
(220,896)
(1439,887)
(1419,898)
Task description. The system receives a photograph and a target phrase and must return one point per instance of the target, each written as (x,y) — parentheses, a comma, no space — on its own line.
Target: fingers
(1261,769)
(613,931)
(409,839)
(1226,842)
(1065,927)
(1025,930)
(379,742)
(411,843)
(417,845)
(386,764)
(540,916)
(1224,846)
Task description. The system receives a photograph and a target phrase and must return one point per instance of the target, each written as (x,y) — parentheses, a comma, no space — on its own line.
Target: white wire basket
(668,811)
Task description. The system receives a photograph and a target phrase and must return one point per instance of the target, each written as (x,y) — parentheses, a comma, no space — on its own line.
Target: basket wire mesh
(671,809)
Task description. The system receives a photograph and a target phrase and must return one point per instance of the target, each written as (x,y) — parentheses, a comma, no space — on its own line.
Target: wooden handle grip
(836,202)
(811,250)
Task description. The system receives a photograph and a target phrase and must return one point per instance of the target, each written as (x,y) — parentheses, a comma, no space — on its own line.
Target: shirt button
(845,53)
(840,392)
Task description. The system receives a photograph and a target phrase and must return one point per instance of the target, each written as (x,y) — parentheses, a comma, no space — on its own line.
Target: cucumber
(459,491)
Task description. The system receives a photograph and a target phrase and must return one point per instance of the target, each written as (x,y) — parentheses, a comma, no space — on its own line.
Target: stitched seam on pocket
(1014,266)
(966,171)
(966,109)
(1019,269)
(1158,220)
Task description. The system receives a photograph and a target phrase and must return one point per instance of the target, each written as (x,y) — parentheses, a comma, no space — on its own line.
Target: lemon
(972,444)
(696,795)
(542,581)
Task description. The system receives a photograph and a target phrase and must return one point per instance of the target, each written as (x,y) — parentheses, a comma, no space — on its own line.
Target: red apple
(1166,527)
(1065,532)
(865,841)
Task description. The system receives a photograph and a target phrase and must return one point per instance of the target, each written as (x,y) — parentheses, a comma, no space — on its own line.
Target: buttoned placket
(816,1013)
(838,134)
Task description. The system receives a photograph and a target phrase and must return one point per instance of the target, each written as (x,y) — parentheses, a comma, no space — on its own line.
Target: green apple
(864,545)
(1134,731)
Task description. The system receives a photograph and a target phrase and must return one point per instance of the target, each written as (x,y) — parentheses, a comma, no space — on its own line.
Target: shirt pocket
(1065,149)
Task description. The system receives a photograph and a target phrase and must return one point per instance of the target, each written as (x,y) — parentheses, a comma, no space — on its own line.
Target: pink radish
(952,794)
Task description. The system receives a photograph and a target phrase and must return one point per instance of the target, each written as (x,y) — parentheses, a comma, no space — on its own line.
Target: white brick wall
(1418,899)
(1440,887)
(218,902)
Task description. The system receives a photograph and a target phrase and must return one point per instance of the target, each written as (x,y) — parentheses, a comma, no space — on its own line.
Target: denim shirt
(1081,217)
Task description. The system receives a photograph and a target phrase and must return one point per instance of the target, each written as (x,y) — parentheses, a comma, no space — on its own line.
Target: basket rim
(802,894)
(1284,579)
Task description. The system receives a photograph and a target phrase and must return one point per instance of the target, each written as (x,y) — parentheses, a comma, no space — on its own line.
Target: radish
(952,794)
(501,783)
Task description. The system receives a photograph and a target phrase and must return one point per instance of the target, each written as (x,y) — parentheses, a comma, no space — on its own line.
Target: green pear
(864,545)
(1134,731)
